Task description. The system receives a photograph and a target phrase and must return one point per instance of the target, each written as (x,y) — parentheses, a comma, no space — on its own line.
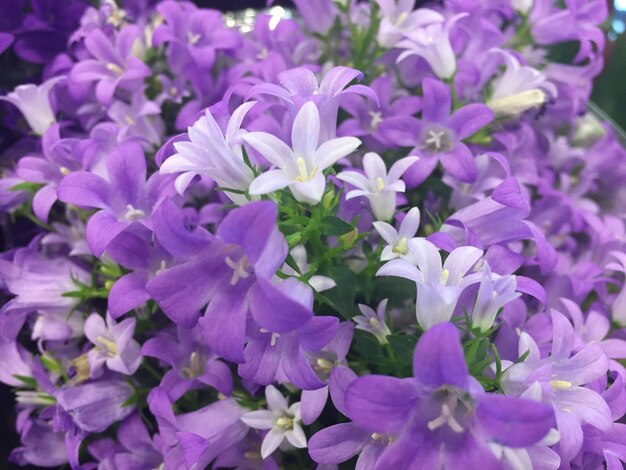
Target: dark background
(609,94)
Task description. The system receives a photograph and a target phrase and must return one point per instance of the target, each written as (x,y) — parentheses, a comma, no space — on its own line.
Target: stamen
(561,384)
(380,184)
(108,346)
(115,68)
(377,118)
(302,170)
(193,38)
(324,364)
(133,214)
(435,139)
(240,269)
(285,422)
(401,247)
(446,417)
(443,278)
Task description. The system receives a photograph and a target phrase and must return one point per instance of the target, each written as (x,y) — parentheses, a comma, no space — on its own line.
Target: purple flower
(193,364)
(41,445)
(193,440)
(438,136)
(400,19)
(300,167)
(559,380)
(494,292)
(281,420)
(114,345)
(33,101)
(114,64)
(125,199)
(377,185)
(138,119)
(442,417)
(373,322)
(299,86)
(194,35)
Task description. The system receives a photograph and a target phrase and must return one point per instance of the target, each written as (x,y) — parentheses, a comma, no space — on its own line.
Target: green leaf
(403,346)
(26,186)
(332,225)
(51,364)
(367,346)
(27,380)
(342,296)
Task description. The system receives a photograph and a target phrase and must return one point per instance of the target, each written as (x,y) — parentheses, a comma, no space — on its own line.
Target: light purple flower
(33,101)
(429,39)
(138,119)
(377,185)
(398,240)
(281,420)
(373,322)
(300,166)
(213,153)
(318,282)
(400,18)
(494,292)
(113,345)
(438,286)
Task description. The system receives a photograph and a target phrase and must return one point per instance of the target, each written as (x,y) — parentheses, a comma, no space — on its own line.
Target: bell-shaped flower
(378,186)
(438,136)
(300,85)
(281,420)
(398,240)
(33,101)
(400,18)
(431,41)
(494,292)
(373,322)
(438,286)
(301,166)
(113,345)
(214,154)
(559,380)
(441,417)
(519,88)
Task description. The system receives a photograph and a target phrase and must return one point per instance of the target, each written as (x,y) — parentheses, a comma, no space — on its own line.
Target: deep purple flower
(442,417)
(113,62)
(437,137)
(126,198)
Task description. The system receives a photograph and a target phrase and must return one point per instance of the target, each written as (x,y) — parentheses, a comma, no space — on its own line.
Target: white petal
(398,168)
(355,179)
(296,437)
(410,223)
(374,166)
(399,268)
(271,442)
(334,150)
(321,283)
(305,133)
(272,148)
(275,400)
(234,123)
(385,230)
(183,181)
(269,182)
(260,419)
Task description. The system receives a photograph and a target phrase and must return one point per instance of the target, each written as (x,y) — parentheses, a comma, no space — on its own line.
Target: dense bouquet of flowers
(356,234)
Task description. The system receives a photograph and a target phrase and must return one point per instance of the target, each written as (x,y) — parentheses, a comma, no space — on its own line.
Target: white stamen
(435,139)
(240,269)
(446,417)
(133,214)
(401,247)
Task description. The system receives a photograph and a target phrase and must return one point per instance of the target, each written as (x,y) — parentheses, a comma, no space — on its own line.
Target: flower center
(303,173)
(240,269)
(443,278)
(133,214)
(380,184)
(401,247)
(107,346)
(385,439)
(560,384)
(193,38)
(115,68)
(285,422)
(195,367)
(274,337)
(436,140)
(377,118)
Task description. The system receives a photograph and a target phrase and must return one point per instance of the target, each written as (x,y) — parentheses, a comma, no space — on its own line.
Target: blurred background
(609,95)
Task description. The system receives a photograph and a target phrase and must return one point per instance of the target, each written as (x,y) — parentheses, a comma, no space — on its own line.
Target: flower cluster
(357,232)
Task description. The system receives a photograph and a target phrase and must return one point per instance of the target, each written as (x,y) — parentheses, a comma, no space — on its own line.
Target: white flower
(213,154)
(377,185)
(283,422)
(299,168)
(34,103)
(398,240)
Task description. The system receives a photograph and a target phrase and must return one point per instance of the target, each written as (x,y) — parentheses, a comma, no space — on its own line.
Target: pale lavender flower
(431,41)
(397,240)
(213,153)
(33,101)
(399,18)
(378,186)
(282,420)
(373,321)
(519,88)
(114,345)
(138,119)
(300,167)
(438,286)
(493,293)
